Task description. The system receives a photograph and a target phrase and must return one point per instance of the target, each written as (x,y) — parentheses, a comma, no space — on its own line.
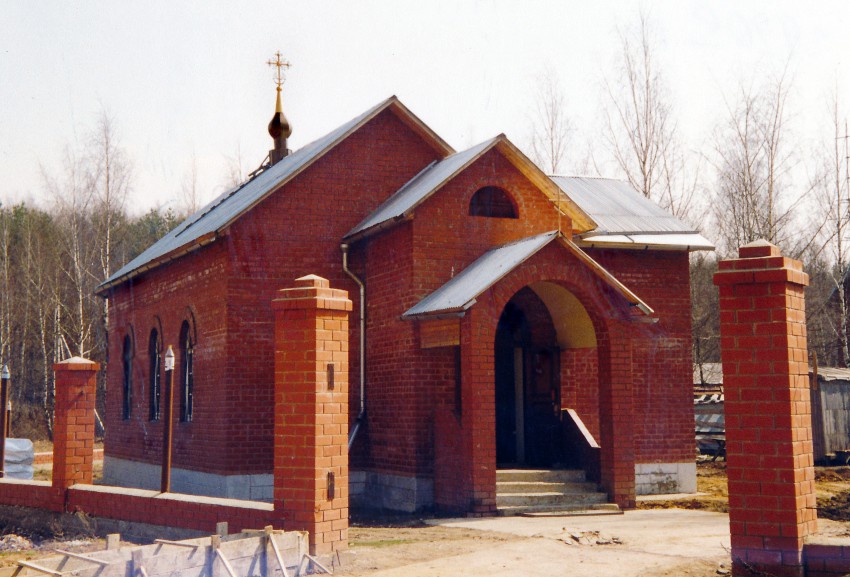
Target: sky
(187,82)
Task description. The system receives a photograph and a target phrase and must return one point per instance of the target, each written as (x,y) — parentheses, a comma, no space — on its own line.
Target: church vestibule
(545,360)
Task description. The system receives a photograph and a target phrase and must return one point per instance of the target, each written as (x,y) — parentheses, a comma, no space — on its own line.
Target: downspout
(361,416)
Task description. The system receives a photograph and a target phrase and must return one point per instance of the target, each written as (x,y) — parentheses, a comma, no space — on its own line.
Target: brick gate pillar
(311,412)
(73,422)
(768,413)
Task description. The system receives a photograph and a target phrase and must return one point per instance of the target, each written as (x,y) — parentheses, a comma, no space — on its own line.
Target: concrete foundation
(372,490)
(664,478)
(127,473)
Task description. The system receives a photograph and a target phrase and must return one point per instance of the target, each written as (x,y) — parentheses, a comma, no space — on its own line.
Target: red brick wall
(229,286)
(186,289)
(662,367)
(580,385)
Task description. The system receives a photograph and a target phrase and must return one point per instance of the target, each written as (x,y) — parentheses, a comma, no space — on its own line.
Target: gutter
(361,416)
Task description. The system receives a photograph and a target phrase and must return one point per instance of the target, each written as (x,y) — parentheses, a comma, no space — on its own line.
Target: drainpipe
(361,416)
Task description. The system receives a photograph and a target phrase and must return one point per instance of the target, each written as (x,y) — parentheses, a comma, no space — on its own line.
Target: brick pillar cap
(758,248)
(76,364)
(312,280)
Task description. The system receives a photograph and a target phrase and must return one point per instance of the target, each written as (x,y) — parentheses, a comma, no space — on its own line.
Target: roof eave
(606,276)
(200,242)
(378,228)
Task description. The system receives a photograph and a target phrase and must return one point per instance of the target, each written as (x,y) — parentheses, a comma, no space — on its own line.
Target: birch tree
(754,163)
(551,128)
(640,130)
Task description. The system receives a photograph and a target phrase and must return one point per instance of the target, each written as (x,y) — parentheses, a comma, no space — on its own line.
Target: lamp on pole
(4,416)
(165,485)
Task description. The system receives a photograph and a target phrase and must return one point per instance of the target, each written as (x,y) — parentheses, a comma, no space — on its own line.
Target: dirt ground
(686,537)
(832,483)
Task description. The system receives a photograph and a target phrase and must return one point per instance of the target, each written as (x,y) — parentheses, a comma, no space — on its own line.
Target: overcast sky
(184,79)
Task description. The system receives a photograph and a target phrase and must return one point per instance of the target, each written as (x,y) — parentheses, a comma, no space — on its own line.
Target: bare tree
(551,128)
(191,193)
(827,264)
(73,197)
(754,162)
(236,173)
(640,130)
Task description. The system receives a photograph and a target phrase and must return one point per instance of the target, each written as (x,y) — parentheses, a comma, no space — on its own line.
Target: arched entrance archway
(545,360)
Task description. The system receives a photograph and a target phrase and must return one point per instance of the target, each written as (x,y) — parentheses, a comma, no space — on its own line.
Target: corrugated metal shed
(201,227)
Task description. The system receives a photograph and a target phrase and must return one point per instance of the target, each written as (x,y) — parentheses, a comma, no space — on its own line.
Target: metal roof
(461,292)
(618,208)
(420,187)
(202,227)
(671,241)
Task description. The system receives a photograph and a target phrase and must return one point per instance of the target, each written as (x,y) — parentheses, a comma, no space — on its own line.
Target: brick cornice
(760,262)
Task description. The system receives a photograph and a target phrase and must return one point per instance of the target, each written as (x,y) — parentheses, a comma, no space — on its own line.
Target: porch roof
(456,296)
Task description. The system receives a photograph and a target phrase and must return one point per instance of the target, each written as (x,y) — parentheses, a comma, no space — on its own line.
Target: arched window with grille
(155,363)
(127,382)
(187,379)
(493,202)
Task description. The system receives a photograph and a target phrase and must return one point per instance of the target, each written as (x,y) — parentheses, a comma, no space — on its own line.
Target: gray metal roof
(618,208)
(221,212)
(457,295)
(421,187)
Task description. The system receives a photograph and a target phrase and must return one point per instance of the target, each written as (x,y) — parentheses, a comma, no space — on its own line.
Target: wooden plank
(39,568)
(245,553)
(177,543)
(277,555)
(82,557)
(225,562)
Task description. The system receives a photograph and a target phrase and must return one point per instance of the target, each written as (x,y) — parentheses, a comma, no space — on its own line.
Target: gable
(402,205)
(209,222)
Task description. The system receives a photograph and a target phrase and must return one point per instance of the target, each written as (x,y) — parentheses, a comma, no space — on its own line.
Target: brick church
(502,319)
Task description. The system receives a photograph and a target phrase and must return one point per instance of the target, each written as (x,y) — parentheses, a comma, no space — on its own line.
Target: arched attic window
(187,377)
(127,380)
(493,202)
(155,361)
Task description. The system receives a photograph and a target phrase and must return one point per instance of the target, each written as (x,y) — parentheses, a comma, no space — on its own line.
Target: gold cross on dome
(280,63)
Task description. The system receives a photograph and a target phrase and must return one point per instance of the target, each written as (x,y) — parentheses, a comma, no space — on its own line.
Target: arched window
(127,384)
(155,360)
(187,379)
(493,202)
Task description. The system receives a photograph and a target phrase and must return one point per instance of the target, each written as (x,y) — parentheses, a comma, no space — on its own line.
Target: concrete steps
(548,492)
